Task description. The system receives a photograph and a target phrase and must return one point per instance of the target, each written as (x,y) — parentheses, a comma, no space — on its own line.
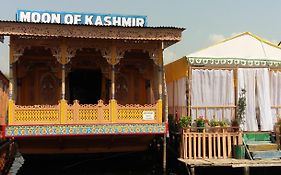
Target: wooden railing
(64,113)
(209,145)
(213,110)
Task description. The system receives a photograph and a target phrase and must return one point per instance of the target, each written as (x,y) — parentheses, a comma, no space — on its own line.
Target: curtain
(177,97)
(275,94)
(258,103)
(263,95)
(246,80)
(212,88)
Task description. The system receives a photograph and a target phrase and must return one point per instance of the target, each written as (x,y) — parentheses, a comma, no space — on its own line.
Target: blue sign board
(95,19)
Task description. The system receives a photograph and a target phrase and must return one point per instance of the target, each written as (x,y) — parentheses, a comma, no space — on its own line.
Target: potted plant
(200,123)
(241,108)
(215,125)
(185,122)
(224,124)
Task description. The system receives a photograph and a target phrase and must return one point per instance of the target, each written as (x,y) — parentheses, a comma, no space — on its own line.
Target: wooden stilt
(192,170)
(246,170)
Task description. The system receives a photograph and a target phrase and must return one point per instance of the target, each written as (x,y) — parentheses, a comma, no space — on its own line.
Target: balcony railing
(64,113)
(209,144)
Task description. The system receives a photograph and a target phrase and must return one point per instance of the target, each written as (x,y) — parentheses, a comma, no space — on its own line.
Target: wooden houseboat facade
(78,88)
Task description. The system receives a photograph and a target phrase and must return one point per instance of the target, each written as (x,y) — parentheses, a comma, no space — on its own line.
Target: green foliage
(223,123)
(241,107)
(214,123)
(185,121)
(200,121)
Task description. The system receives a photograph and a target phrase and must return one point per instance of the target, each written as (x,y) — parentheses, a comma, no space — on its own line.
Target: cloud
(215,38)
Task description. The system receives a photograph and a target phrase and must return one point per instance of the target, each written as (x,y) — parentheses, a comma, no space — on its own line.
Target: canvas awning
(245,49)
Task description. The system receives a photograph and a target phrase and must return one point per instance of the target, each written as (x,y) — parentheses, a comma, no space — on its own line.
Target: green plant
(214,123)
(241,107)
(200,121)
(223,123)
(185,121)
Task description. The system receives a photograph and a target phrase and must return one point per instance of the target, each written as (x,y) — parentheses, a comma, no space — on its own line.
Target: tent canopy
(244,49)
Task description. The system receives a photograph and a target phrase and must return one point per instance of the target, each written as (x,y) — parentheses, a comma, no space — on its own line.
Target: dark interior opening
(85,86)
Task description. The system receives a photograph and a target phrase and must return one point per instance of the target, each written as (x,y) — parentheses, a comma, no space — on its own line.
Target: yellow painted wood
(176,70)
(113,110)
(11,110)
(63,111)
(159,111)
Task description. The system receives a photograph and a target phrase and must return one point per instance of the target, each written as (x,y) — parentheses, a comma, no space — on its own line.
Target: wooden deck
(235,163)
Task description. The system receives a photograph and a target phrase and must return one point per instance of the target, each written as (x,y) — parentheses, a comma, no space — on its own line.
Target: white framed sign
(148,115)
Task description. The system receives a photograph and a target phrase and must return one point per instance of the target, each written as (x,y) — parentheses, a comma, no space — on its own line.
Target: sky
(206,21)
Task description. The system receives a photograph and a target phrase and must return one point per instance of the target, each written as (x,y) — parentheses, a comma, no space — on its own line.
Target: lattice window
(35,115)
(133,112)
(106,114)
(88,114)
(70,115)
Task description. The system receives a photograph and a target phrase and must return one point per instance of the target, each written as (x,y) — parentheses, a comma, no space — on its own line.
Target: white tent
(218,73)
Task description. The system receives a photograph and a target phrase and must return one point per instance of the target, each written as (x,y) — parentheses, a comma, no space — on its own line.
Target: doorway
(85,86)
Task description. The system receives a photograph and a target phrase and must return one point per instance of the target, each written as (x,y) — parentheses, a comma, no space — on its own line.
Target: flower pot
(187,129)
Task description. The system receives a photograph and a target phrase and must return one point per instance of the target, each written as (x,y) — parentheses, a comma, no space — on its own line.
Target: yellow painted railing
(76,113)
(209,145)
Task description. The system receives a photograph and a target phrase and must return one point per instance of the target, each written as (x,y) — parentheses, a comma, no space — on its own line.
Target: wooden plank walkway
(235,163)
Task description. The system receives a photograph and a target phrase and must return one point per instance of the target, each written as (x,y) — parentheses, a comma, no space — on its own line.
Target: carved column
(156,54)
(63,55)
(113,57)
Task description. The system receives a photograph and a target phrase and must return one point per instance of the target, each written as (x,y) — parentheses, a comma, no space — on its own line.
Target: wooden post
(63,111)
(113,82)
(63,82)
(189,91)
(113,110)
(63,103)
(246,170)
(11,84)
(113,62)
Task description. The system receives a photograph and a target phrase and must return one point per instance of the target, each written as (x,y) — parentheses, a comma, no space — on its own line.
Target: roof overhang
(169,35)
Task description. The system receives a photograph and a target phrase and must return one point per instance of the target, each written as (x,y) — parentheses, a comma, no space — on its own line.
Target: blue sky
(206,21)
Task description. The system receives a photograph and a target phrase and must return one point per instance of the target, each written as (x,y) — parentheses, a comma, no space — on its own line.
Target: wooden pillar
(63,82)
(63,103)
(113,62)
(189,79)
(63,61)
(11,84)
(246,170)
(113,82)
(236,94)
(11,73)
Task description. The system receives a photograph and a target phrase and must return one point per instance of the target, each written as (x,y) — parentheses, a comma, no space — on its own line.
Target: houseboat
(82,84)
